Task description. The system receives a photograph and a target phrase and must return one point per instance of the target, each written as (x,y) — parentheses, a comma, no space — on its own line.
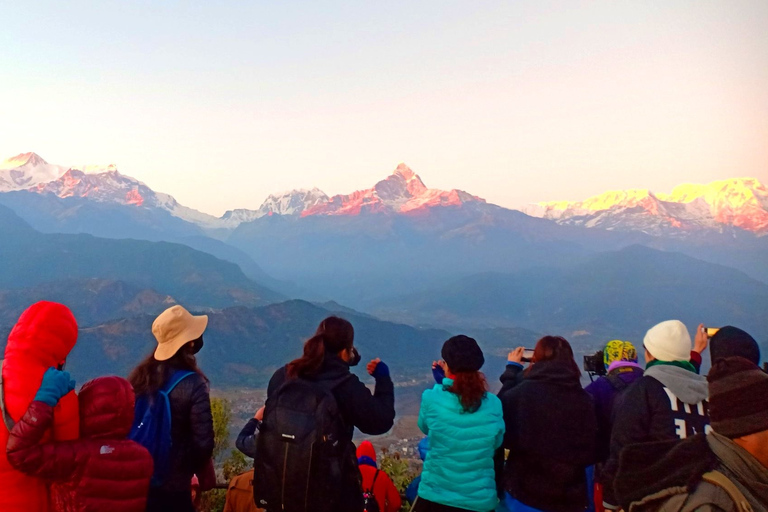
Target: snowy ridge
(402,192)
(27,170)
(737,202)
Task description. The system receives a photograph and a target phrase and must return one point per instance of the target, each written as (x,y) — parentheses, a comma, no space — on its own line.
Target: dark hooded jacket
(191,431)
(667,403)
(551,430)
(101,471)
(372,413)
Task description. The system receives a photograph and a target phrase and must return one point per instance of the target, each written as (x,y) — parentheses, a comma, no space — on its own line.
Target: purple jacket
(604,391)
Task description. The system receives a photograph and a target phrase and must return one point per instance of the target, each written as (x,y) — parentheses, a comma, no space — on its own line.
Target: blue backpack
(152,426)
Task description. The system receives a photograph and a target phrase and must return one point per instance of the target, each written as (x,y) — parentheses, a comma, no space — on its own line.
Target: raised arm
(54,460)
(373,414)
(246,440)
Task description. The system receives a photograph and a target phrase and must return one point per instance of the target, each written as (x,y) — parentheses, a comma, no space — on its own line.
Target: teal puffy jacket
(458,470)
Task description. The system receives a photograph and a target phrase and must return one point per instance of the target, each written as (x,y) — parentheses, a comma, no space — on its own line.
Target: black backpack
(299,450)
(369,499)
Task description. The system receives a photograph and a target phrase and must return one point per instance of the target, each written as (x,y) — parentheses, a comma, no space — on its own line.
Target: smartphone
(711,331)
(527,355)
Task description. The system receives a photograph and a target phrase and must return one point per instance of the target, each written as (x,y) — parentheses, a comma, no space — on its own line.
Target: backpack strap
(375,476)
(9,423)
(177,377)
(718,479)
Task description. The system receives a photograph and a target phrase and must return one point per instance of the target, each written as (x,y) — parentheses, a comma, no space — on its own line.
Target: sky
(222,103)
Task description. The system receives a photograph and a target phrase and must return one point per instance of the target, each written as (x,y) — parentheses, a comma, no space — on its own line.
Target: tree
(221,409)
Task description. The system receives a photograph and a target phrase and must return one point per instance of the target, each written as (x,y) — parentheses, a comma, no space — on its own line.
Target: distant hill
(49,213)
(615,294)
(29,258)
(243,346)
(93,301)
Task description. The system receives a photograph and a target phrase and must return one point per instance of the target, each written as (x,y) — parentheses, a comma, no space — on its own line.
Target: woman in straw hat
(179,337)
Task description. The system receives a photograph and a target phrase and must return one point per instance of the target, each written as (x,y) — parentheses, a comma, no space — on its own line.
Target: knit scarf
(748,471)
(685,365)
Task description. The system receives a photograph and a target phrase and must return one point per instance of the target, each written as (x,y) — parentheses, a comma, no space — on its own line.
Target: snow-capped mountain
(402,192)
(27,170)
(737,202)
(110,186)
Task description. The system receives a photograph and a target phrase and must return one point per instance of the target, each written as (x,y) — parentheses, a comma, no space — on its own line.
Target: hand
(701,342)
(55,385)
(376,368)
(259,414)
(516,356)
(438,371)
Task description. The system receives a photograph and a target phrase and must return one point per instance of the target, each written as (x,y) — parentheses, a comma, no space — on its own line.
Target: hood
(45,334)
(366,454)
(557,372)
(106,408)
(332,369)
(623,364)
(689,387)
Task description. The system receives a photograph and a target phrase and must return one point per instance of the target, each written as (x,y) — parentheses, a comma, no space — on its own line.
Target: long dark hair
(555,348)
(333,335)
(151,375)
(471,388)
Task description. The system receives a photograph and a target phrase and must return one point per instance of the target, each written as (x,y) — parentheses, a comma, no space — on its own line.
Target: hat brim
(194,330)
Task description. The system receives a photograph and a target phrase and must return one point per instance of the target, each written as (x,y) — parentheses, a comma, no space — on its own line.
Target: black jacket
(551,433)
(191,432)
(372,413)
(644,414)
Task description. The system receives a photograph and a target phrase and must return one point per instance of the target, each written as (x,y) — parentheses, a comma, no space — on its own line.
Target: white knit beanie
(669,341)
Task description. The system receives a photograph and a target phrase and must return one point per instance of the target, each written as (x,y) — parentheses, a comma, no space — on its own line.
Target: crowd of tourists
(652,437)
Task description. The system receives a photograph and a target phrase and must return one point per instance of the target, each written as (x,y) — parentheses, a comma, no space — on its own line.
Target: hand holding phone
(520,355)
(701,341)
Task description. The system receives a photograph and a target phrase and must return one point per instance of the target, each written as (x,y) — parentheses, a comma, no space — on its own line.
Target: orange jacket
(384,490)
(41,339)
(240,494)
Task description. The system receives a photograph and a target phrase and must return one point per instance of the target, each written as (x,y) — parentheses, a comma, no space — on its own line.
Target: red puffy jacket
(41,339)
(383,489)
(101,472)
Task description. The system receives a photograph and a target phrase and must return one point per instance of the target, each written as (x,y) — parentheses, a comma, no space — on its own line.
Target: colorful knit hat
(738,397)
(618,350)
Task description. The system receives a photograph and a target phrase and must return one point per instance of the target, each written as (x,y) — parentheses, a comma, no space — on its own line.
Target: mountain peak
(405,171)
(31,159)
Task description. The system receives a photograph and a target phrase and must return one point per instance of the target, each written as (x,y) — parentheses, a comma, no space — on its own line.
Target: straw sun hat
(174,328)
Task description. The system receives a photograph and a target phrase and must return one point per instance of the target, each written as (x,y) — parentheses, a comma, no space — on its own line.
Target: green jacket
(458,470)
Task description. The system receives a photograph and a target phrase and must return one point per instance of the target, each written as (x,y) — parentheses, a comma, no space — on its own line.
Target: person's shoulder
(492,402)
(434,392)
(599,386)
(195,381)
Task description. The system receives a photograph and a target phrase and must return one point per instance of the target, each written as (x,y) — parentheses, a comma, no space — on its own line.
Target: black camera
(594,364)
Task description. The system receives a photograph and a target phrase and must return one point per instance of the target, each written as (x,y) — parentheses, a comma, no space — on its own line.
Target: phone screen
(528,355)
(711,331)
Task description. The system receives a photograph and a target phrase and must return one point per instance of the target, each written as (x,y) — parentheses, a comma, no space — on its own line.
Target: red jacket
(100,472)
(384,490)
(41,339)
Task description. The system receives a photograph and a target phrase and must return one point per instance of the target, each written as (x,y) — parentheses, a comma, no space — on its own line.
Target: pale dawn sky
(221,103)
